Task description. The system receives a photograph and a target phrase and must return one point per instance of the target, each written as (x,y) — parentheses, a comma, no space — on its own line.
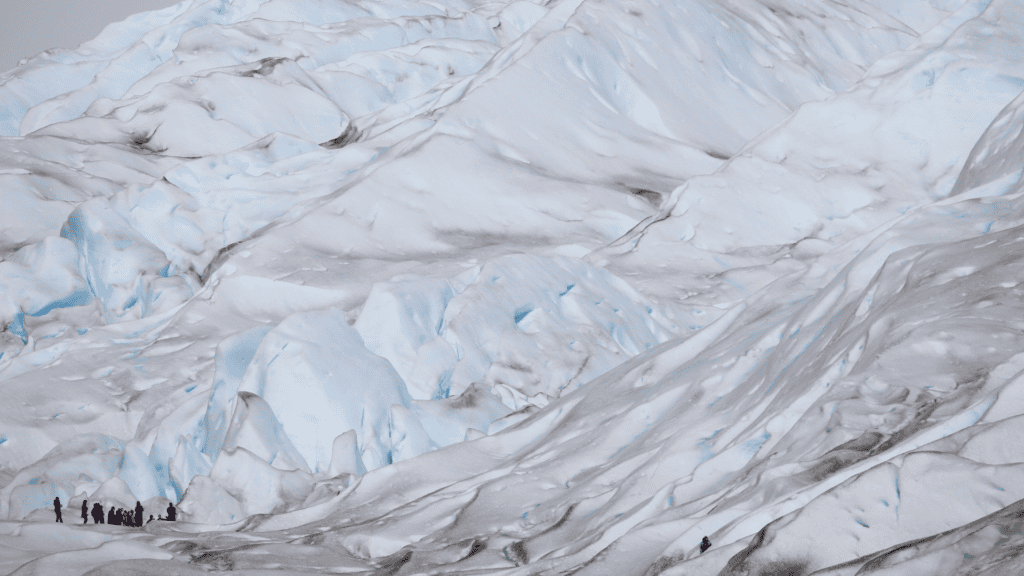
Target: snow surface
(402,287)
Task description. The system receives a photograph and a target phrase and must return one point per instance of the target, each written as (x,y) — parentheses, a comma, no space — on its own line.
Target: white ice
(441,286)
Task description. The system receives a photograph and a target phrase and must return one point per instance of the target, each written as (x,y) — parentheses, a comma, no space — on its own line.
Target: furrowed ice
(401,287)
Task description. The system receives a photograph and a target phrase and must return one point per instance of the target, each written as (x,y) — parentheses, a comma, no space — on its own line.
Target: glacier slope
(827,323)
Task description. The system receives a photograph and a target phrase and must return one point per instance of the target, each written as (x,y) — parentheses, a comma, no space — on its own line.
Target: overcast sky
(27,27)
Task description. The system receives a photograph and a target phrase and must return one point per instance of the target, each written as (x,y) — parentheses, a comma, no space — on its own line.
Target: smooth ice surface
(403,287)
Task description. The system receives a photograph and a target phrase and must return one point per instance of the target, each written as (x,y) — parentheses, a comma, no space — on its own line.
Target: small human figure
(138,514)
(85,511)
(704,545)
(112,516)
(172,513)
(150,519)
(129,518)
(97,513)
(56,508)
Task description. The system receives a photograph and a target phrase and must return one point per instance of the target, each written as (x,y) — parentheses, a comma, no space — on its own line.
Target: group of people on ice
(116,516)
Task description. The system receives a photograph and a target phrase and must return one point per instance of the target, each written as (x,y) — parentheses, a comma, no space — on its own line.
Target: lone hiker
(138,513)
(56,508)
(85,511)
(704,545)
(172,514)
(97,513)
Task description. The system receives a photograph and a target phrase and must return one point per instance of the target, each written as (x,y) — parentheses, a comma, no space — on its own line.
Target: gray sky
(27,27)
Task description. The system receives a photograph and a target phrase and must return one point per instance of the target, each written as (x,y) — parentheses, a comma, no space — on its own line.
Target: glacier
(397,287)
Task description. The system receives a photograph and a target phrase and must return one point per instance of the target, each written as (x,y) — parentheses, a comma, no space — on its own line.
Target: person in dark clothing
(85,511)
(172,513)
(97,513)
(56,508)
(129,518)
(138,514)
(150,519)
(704,545)
(112,516)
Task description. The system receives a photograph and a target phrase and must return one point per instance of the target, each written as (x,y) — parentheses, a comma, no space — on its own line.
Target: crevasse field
(467,287)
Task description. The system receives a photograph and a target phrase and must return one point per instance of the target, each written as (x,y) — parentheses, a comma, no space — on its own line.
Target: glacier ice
(521,287)
(313,372)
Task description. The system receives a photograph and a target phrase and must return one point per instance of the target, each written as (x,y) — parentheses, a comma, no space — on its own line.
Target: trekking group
(116,516)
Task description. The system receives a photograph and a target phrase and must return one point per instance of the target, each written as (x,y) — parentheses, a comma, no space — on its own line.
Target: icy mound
(39,278)
(320,381)
(491,323)
(993,168)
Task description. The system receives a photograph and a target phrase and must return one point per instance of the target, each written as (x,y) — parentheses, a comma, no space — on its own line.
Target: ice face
(458,287)
(317,377)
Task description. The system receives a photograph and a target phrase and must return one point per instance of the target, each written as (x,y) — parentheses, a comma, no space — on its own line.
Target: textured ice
(520,306)
(403,287)
(39,278)
(313,372)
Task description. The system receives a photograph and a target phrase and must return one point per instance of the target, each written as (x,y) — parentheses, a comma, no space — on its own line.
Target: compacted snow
(401,287)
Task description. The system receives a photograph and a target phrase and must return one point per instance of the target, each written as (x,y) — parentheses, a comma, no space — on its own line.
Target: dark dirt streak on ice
(390,565)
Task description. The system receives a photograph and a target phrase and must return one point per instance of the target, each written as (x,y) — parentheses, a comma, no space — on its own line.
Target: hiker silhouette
(85,511)
(97,513)
(56,508)
(138,513)
(112,517)
(704,545)
(172,513)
